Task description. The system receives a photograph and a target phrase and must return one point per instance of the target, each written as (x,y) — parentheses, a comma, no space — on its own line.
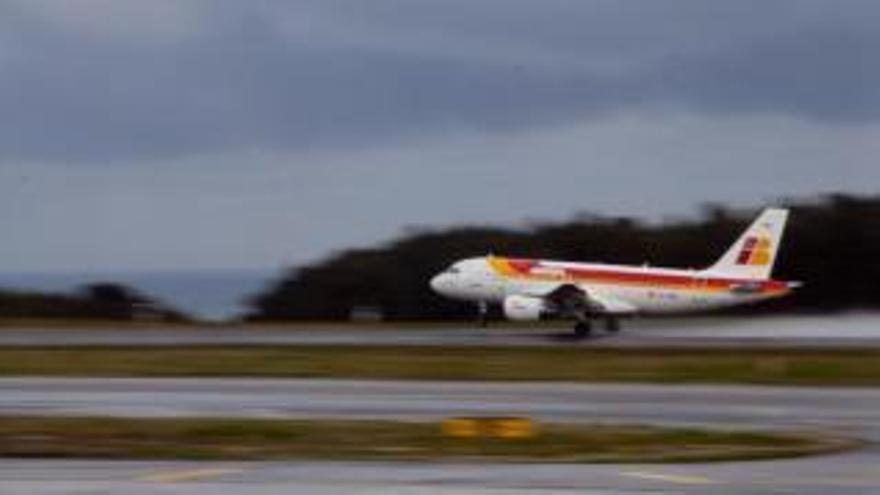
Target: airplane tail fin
(753,254)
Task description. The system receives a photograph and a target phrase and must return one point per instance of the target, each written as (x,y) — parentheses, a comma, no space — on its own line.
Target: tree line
(103,301)
(832,244)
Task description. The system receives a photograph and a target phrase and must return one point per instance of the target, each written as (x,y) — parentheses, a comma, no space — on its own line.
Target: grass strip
(770,366)
(235,439)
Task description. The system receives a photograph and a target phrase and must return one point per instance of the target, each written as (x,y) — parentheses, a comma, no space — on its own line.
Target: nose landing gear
(483,314)
(583,328)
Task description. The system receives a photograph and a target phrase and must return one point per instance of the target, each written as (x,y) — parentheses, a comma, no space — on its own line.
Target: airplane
(531,289)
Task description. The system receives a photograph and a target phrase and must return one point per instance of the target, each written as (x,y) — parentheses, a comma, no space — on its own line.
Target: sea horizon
(209,294)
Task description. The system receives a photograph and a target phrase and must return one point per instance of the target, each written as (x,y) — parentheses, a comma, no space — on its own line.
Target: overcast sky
(234,134)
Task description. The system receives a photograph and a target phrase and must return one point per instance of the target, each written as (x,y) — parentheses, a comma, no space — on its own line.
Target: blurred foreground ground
(846,410)
(850,411)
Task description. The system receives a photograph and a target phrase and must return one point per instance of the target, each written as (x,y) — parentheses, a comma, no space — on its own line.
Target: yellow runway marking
(179,476)
(671,478)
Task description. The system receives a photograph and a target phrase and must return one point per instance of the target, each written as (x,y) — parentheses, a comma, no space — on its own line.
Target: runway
(848,409)
(851,411)
(850,330)
(854,474)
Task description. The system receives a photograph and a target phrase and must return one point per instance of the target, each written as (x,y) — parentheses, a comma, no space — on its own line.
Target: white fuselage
(623,289)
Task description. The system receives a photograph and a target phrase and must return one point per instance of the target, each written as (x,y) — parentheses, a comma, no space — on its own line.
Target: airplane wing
(610,304)
(573,299)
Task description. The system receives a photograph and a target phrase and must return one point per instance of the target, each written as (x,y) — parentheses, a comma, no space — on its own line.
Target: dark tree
(108,301)
(831,244)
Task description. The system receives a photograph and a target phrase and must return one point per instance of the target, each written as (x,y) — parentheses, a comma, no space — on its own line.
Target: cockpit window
(453,270)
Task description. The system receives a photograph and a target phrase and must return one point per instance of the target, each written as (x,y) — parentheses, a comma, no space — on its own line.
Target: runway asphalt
(853,474)
(850,330)
(846,409)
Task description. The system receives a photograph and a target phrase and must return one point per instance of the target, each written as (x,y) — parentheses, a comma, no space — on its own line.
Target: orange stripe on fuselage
(534,270)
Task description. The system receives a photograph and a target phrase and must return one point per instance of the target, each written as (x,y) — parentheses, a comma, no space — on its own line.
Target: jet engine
(524,308)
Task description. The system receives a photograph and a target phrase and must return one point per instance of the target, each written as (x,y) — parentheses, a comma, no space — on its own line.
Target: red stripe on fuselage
(523,268)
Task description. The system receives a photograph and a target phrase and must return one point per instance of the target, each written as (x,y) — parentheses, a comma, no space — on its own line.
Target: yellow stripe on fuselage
(524,270)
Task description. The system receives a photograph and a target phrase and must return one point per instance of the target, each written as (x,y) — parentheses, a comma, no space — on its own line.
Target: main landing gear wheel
(583,329)
(612,325)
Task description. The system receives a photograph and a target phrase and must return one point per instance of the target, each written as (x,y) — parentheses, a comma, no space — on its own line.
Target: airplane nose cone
(438,283)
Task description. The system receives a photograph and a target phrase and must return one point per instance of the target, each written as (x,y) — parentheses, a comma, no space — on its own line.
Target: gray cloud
(337,74)
(263,210)
(223,133)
